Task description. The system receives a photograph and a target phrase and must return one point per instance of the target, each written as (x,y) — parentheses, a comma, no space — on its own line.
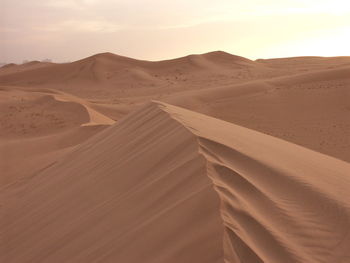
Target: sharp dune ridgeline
(206,158)
(166,184)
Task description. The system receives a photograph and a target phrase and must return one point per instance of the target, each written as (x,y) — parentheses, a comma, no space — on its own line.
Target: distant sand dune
(303,100)
(109,70)
(310,109)
(90,173)
(166,184)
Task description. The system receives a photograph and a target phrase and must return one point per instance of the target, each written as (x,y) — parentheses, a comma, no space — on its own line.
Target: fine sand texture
(39,126)
(304,100)
(165,184)
(242,161)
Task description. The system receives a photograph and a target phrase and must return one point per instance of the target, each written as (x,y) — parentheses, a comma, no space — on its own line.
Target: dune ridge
(39,126)
(106,70)
(220,193)
(254,173)
(304,100)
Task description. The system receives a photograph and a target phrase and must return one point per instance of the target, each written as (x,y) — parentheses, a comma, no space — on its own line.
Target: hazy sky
(66,30)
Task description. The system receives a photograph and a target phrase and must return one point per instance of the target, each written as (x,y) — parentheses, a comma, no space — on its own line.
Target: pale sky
(67,30)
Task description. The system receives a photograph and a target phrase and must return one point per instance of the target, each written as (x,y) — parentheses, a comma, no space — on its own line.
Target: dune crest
(279,202)
(39,126)
(219,193)
(303,100)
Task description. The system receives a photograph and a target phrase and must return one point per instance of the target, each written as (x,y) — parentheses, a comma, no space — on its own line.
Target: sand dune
(37,113)
(166,184)
(106,71)
(22,158)
(303,100)
(15,68)
(307,63)
(39,126)
(82,179)
(310,109)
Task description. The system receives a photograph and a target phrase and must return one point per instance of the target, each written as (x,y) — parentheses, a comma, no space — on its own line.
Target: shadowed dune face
(169,185)
(254,173)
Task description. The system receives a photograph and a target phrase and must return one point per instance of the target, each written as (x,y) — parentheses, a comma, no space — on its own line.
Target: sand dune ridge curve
(178,186)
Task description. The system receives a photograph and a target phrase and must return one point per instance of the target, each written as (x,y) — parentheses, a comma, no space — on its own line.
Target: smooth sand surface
(170,185)
(304,100)
(38,126)
(91,171)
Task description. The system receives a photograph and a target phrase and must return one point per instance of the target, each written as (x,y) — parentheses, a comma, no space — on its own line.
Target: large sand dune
(81,182)
(304,100)
(166,184)
(107,73)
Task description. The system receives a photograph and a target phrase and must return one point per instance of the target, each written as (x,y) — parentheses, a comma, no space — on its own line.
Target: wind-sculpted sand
(39,126)
(304,100)
(250,165)
(165,184)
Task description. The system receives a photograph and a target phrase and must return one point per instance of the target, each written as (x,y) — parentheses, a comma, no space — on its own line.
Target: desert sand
(205,158)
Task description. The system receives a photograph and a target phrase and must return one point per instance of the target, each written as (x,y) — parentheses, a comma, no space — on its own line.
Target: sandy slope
(142,191)
(74,189)
(108,74)
(311,109)
(14,68)
(39,126)
(279,202)
(304,100)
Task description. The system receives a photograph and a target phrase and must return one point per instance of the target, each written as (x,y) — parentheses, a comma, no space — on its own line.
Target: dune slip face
(165,184)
